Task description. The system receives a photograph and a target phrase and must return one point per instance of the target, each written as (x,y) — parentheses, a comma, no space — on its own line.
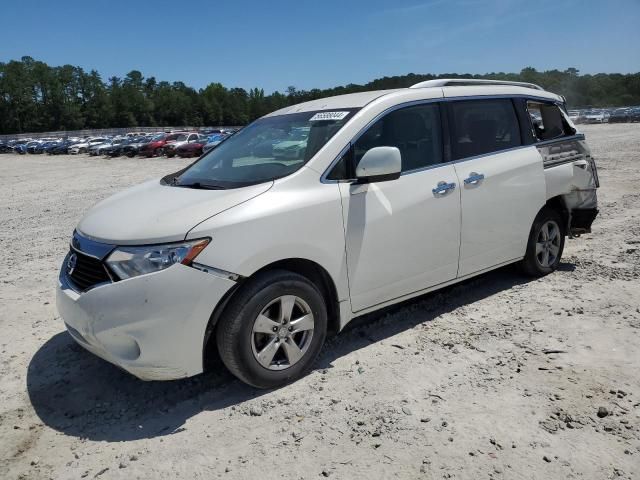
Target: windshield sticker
(328,116)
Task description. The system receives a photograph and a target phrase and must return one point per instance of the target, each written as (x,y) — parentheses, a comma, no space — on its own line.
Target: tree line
(36,97)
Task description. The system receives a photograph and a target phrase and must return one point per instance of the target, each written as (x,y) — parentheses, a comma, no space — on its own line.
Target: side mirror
(379,164)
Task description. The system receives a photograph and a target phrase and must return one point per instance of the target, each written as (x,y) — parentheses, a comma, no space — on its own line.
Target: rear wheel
(273,329)
(545,245)
(160,152)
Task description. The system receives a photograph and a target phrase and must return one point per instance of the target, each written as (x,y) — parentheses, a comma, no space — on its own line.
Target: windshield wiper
(199,186)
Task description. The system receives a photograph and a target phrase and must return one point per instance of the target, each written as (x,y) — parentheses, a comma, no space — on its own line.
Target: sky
(321,43)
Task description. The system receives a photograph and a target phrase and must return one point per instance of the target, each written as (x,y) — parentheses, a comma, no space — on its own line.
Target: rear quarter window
(480,127)
(548,121)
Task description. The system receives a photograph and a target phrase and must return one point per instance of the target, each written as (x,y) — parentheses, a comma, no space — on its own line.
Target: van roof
(441,88)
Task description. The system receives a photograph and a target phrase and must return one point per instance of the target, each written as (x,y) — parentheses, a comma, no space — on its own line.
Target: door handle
(474,178)
(443,188)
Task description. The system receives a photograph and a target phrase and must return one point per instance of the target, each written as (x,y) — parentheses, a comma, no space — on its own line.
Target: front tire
(273,329)
(545,245)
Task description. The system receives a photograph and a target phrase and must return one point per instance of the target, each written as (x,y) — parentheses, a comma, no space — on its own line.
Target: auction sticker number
(328,116)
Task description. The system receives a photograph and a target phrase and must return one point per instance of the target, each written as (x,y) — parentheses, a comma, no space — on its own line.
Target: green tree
(36,97)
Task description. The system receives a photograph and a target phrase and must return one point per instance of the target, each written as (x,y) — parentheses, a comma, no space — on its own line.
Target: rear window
(483,126)
(549,121)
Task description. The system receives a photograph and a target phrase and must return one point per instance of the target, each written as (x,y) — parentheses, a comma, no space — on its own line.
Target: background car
(20,148)
(595,116)
(155,148)
(170,146)
(98,148)
(122,147)
(31,146)
(115,149)
(191,149)
(63,147)
(132,149)
(83,146)
(45,146)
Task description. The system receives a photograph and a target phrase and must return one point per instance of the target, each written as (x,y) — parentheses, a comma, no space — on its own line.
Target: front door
(402,236)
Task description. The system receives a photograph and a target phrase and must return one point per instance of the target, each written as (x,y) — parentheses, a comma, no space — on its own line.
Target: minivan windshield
(269,148)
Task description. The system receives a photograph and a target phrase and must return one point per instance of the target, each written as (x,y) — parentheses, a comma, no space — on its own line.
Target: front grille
(88,272)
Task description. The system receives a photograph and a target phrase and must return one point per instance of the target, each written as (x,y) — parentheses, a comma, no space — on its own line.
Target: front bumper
(152,326)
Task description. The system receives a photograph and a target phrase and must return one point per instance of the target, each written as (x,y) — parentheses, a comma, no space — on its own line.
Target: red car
(192,149)
(155,148)
(170,147)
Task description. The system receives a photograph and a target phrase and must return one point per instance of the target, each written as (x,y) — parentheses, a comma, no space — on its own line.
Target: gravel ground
(499,377)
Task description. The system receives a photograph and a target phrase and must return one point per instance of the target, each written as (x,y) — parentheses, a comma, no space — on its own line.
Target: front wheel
(160,152)
(545,245)
(273,329)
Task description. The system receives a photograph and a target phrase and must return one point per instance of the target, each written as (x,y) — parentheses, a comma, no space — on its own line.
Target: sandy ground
(457,384)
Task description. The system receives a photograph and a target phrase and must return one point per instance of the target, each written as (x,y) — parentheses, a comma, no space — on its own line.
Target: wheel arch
(309,269)
(558,204)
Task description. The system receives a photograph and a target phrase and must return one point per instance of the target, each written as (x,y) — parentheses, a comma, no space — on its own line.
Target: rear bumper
(152,326)
(582,219)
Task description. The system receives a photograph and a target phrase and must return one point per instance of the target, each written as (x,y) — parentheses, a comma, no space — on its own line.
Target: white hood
(156,213)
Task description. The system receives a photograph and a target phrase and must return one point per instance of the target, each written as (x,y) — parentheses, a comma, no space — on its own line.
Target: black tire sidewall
(244,309)
(532,265)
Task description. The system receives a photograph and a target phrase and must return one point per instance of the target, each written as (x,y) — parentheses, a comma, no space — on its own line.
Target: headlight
(129,262)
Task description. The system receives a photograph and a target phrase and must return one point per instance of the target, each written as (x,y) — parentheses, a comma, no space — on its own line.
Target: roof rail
(466,82)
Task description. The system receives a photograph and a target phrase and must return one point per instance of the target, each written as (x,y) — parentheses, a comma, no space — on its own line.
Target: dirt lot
(464,383)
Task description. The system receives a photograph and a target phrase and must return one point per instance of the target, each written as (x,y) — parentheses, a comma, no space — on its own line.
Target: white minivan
(258,254)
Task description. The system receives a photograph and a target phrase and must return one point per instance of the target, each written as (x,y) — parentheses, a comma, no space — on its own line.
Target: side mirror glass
(379,164)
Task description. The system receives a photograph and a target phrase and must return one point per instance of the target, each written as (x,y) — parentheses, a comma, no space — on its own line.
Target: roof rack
(466,82)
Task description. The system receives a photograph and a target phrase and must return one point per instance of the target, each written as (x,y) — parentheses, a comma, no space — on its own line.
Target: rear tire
(273,329)
(545,245)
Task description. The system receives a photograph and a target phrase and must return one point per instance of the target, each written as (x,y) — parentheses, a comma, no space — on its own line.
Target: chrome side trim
(234,277)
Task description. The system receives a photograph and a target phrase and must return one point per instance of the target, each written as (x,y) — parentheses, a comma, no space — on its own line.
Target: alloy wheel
(548,244)
(282,332)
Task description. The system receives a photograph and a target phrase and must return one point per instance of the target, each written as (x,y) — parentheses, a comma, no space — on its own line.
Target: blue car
(20,148)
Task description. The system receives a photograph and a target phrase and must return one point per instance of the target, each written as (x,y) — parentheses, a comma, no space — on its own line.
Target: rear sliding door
(502,182)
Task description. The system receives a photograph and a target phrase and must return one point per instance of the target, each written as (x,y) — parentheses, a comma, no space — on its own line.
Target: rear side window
(483,126)
(415,131)
(548,121)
